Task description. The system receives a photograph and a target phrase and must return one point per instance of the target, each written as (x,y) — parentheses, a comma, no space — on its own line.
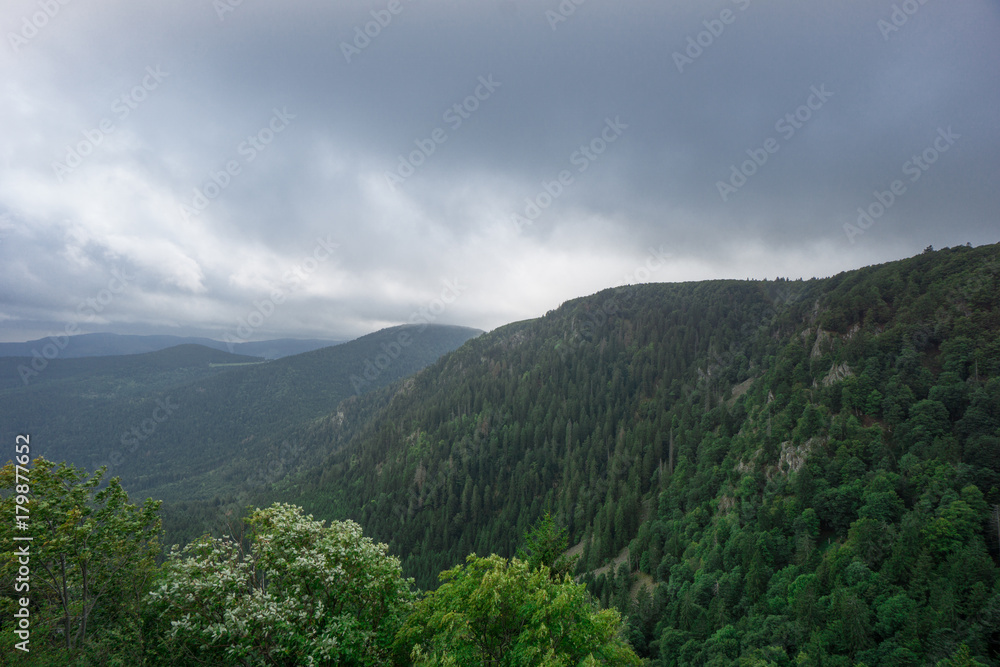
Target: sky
(255,169)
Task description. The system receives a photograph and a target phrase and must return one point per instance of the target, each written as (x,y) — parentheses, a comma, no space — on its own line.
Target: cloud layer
(348,162)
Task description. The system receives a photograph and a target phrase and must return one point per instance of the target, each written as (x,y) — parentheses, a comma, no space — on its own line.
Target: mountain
(115,375)
(752,472)
(109,344)
(775,471)
(192,422)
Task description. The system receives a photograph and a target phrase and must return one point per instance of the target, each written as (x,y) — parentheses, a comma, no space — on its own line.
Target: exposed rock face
(795,457)
(822,343)
(791,459)
(740,389)
(837,373)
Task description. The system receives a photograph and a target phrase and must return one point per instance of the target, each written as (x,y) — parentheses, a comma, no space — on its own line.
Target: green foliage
(304,593)
(545,545)
(962,658)
(781,459)
(92,555)
(497,612)
(756,473)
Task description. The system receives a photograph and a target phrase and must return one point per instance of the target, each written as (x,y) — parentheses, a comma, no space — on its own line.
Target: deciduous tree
(303,593)
(92,554)
(492,611)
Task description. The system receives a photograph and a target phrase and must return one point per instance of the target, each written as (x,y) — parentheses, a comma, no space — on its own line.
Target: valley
(749,472)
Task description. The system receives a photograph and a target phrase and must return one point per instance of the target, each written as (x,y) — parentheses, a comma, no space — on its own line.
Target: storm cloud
(341,167)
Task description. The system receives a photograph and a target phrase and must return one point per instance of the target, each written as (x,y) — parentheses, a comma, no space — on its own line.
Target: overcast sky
(338,167)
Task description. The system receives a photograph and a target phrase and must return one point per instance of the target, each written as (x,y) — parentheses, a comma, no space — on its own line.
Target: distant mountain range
(752,472)
(190,421)
(109,344)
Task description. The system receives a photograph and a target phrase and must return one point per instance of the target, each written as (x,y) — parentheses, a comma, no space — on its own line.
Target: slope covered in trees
(81,588)
(109,344)
(776,472)
(191,422)
(751,473)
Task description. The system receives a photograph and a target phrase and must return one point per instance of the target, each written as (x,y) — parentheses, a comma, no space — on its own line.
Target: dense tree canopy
(507,614)
(747,473)
(748,470)
(304,593)
(545,546)
(91,559)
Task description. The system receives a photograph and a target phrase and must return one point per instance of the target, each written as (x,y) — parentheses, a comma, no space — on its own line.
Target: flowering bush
(303,593)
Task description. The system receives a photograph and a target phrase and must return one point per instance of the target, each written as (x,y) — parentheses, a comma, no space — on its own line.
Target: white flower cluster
(302,591)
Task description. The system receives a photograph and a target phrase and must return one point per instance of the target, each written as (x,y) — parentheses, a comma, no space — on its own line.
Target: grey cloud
(560,80)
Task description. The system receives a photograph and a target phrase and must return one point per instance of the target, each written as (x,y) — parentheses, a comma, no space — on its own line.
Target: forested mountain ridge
(109,344)
(193,422)
(116,374)
(800,472)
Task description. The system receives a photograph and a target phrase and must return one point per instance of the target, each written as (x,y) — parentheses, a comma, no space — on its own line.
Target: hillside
(804,472)
(109,344)
(190,422)
(115,374)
